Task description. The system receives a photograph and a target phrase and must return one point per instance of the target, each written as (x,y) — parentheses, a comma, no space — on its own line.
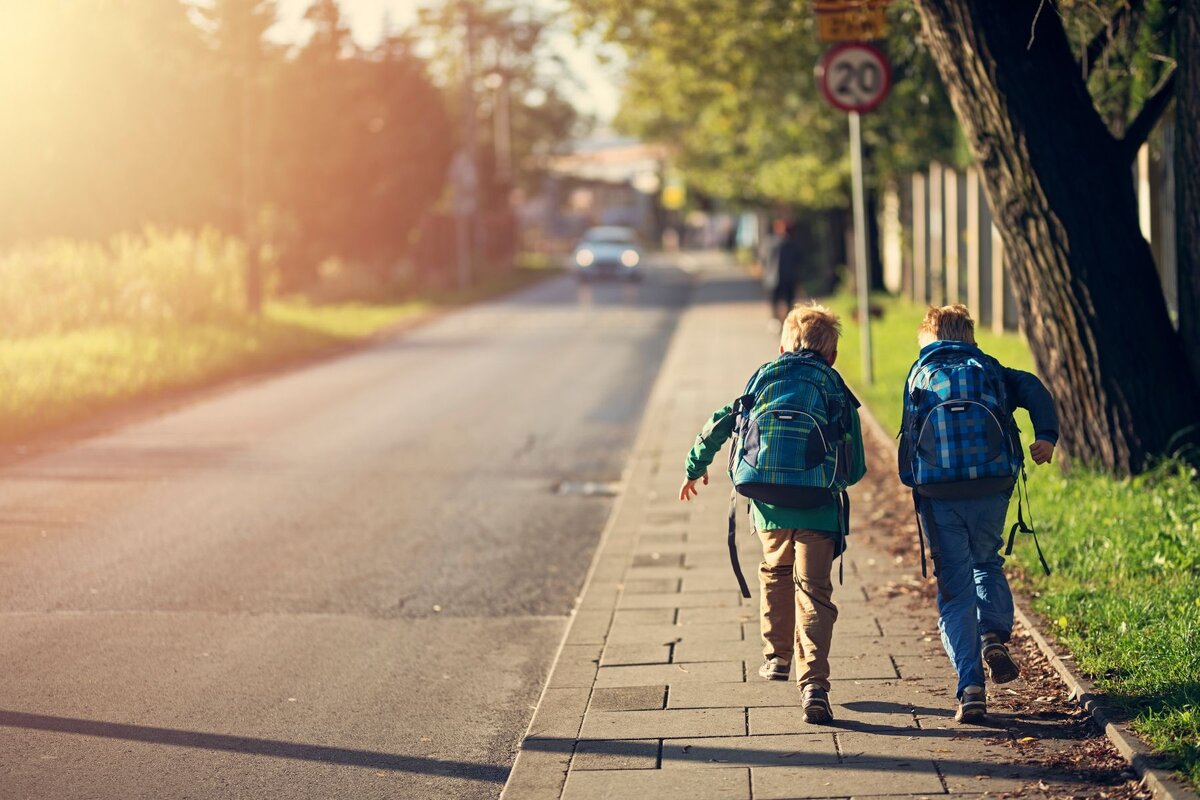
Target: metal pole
(860,248)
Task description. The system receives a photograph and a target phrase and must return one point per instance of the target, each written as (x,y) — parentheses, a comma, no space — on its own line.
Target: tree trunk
(1187,176)
(1090,299)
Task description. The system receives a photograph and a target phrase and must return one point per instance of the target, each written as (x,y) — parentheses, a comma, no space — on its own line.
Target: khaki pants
(797,607)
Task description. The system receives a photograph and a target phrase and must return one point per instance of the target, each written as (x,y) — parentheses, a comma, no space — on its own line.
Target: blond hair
(951,323)
(811,327)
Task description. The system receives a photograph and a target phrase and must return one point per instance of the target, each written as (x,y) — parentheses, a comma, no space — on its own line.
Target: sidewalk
(655,693)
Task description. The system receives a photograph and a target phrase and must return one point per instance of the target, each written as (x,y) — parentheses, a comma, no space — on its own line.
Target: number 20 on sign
(854,76)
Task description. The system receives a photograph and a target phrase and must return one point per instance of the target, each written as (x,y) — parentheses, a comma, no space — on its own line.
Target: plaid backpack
(958,439)
(791,442)
(792,429)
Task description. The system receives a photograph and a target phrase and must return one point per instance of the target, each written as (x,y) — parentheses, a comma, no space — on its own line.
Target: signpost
(855,77)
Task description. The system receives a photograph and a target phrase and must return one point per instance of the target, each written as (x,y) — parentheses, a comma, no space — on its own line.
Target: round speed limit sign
(854,76)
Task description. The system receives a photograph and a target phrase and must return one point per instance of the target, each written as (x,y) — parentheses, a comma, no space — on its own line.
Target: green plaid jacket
(768,517)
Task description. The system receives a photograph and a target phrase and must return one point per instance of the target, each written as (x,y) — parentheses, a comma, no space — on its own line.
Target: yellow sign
(851,20)
(859,24)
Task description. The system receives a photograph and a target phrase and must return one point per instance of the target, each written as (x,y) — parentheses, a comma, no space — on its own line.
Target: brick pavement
(655,692)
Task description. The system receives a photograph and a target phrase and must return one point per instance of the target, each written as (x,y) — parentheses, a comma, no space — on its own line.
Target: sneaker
(972,706)
(775,669)
(816,704)
(1000,665)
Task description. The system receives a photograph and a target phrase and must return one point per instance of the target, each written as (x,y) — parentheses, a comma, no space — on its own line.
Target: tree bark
(1187,176)
(1091,303)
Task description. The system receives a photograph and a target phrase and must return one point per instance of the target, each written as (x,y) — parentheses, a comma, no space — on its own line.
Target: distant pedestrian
(782,268)
(961,453)
(798,435)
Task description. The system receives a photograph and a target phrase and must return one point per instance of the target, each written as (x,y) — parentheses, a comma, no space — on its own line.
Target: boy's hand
(689,490)
(1041,451)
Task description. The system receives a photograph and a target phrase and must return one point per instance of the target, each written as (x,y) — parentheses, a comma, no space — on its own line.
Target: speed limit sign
(854,76)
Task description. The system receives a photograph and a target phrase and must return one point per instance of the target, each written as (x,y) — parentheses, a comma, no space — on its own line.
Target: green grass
(1125,593)
(61,377)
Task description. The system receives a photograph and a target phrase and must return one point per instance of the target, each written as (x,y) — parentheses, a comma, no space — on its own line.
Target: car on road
(608,251)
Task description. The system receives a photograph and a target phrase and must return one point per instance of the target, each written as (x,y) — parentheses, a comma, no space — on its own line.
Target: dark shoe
(775,669)
(1000,665)
(972,706)
(816,704)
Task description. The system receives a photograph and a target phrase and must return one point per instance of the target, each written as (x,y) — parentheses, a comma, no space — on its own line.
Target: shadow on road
(253,746)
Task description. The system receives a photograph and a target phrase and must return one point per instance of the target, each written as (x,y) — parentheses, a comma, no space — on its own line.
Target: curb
(1161,783)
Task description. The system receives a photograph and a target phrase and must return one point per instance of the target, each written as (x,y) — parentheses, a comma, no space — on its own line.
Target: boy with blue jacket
(965,529)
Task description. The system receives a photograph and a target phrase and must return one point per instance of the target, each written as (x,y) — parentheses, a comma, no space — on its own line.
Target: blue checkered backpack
(958,439)
(792,440)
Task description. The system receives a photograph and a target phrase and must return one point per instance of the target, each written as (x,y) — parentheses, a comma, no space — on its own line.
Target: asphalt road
(347,581)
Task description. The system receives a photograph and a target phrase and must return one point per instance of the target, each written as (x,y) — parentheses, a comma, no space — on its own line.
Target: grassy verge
(1125,593)
(55,379)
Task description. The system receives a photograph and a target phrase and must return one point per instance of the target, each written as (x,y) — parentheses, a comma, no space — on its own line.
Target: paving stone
(616,754)
(965,745)
(778,719)
(841,669)
(667,634)
(708,672)
(734,613)
(662,537)
(664,724)
(714,580)
(717,784)
(863,780)
(539,774)
(576,666)
(628,698)
(718,650)
(644,616)
(656,559)
(619,654)
(650,585)
(930,666)
(559,713)
(750,751)
(691,600)
(589,627)
(675,571)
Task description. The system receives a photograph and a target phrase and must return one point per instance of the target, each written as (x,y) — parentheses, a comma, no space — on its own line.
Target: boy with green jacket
(799,544)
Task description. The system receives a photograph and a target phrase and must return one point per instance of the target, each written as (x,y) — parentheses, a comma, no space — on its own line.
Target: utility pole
(249,163)
(465,169)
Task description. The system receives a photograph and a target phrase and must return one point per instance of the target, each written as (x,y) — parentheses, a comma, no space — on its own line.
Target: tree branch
(1103,37)
(1138,131)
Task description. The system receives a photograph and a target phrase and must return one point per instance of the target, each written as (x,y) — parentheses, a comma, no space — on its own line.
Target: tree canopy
(730,84)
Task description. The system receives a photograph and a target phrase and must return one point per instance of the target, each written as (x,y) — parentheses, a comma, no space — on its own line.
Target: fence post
(950,201)
(998,289)
(920,240)
(937,247)
(973,241)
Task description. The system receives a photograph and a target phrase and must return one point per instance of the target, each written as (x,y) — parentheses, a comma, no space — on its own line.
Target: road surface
(346,581)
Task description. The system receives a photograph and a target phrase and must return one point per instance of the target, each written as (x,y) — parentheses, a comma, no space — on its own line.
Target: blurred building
(604,180)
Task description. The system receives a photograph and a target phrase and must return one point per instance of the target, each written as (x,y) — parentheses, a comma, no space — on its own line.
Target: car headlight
(630,258)
(585,258)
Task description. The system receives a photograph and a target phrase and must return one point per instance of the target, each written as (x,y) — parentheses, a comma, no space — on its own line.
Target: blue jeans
(973,595)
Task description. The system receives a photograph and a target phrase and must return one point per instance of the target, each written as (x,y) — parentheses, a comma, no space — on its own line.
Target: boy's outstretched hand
(1041,451)
(689,490)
